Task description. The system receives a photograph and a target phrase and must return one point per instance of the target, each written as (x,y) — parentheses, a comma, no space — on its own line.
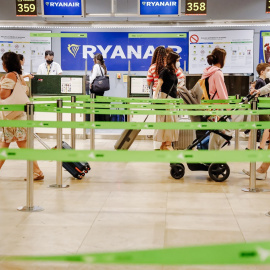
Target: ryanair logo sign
(73,49)
(62,7)
(120,50)
(62,4)
(160,4)
(159,7)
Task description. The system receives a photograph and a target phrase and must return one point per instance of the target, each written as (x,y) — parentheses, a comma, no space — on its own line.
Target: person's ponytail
(211,59)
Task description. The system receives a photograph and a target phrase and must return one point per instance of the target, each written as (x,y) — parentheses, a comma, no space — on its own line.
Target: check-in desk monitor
(137,86)
(58,85)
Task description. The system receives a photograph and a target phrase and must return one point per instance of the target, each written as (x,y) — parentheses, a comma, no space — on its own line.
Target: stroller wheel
(177,170)
(219,172)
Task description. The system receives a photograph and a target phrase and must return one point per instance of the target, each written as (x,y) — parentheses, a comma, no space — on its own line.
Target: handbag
(100,83)
(18,96)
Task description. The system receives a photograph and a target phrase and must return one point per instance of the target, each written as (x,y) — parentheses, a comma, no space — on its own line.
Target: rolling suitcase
(127,138)
(186,137)
(76,169)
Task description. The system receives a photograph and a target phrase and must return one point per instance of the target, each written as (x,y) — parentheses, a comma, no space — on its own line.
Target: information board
(20,41)
(237,43)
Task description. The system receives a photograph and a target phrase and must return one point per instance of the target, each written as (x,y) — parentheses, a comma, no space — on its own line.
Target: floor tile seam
(98,213)
(235,217)
(165,227)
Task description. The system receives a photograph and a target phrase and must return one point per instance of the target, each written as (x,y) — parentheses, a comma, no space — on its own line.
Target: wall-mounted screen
(62,8)
(159,7)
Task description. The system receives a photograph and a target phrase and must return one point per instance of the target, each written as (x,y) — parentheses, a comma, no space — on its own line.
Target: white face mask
(177,64)
(267,75)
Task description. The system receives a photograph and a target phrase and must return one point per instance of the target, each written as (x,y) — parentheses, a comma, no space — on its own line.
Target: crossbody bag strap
(101,71)
(216,90)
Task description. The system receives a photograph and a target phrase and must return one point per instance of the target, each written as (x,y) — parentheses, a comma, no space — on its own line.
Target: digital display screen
(267,6)
(159,7)
(26,8)
(196,7)
(62,7)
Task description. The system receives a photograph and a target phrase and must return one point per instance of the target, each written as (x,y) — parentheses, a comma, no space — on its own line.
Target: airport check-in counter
(58,85)
(137,88)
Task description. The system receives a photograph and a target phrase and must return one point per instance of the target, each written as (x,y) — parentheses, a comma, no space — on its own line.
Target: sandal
(168,147)
(37,176)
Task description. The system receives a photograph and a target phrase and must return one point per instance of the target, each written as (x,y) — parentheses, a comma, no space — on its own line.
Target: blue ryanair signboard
(62,7)
(159,7)
(120,48)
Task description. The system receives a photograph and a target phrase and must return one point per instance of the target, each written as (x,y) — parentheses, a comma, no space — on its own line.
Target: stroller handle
(248,98)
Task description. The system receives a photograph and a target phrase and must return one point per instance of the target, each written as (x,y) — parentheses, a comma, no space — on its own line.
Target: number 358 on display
(196,7)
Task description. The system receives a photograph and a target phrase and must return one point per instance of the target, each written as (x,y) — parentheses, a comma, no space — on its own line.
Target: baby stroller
(218,172)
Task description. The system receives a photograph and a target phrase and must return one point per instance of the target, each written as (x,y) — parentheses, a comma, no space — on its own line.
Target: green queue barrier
(257,253)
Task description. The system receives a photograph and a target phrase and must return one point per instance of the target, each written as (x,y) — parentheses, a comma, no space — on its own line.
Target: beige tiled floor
(127,206)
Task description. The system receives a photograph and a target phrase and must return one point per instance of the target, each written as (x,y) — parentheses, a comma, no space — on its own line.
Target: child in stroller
(218,172)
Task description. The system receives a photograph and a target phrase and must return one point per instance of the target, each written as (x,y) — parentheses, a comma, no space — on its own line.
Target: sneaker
(259,176)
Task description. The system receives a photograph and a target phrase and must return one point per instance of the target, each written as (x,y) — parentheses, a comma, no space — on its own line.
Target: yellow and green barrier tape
(257,253)
(188,156)
(136,125)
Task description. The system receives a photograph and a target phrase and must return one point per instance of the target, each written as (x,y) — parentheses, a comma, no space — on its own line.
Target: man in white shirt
(49,67)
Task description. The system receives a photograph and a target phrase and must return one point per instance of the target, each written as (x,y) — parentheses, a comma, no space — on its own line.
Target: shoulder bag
(18,96)
(100,83)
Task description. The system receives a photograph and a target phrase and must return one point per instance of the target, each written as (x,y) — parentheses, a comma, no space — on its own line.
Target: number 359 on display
(26,8)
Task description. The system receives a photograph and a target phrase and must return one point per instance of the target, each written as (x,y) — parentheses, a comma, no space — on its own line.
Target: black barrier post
(73,130)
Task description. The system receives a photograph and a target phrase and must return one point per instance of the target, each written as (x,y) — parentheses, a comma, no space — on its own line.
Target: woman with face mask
(167,88)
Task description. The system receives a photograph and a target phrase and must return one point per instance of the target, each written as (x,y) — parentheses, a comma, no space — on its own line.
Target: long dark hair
(98,58)
(11,62)
(171,60)
(159,58)
(217,57)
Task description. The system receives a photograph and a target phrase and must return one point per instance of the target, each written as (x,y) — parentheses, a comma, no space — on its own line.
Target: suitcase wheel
(177,170)
(79,176)
(219,172)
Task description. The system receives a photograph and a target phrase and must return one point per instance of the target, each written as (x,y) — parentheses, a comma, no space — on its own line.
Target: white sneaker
(259,176)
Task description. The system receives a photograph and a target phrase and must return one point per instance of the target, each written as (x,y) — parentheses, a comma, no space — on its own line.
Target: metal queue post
(253,144)
(30,168)
(73,130)
(59,175)
(236,145)
(92,131)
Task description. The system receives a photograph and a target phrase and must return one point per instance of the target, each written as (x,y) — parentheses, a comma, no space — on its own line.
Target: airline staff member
(49,67)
